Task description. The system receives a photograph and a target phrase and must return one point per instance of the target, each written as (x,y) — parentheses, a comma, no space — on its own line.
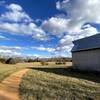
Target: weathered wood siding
(87,60)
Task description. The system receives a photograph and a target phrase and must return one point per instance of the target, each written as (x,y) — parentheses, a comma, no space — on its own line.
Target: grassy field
(59,83)
(54,82)
(7,69)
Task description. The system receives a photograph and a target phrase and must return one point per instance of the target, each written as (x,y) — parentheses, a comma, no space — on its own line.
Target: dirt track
(9,87)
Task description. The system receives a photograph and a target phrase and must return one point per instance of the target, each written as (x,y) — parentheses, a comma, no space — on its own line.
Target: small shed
(86,53)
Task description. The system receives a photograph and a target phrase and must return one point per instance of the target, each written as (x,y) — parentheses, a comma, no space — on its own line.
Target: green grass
(59,84)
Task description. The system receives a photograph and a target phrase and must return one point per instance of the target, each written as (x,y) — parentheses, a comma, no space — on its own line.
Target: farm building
(86,53)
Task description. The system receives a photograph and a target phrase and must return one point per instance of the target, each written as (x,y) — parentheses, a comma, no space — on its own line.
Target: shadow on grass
(90,76)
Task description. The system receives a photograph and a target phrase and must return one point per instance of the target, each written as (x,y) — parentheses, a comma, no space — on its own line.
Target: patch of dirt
(9,88)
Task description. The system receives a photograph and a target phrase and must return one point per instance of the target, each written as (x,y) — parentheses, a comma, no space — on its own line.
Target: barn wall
(87,60)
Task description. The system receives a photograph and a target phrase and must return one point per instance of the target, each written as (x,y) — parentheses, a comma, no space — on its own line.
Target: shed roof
(87,43)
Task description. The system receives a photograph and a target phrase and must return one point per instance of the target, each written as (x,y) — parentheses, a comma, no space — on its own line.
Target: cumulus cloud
(65,44)
(42,37)
(16,21)
(60,28)
(12,48)
(54,51)
(73,25)
(14,7)
(87,31)
(9,51)
(15,13)
(42,48)
(22,29)
(55,26)
(80,12)
(37,56)
(16,50)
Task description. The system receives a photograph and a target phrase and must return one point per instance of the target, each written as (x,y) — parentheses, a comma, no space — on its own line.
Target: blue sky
(46,28)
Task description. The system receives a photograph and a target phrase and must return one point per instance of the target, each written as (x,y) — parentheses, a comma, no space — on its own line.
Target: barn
(86,53)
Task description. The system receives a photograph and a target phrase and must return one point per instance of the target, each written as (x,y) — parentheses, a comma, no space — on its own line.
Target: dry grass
(7,69)
(54,82)
(59,83)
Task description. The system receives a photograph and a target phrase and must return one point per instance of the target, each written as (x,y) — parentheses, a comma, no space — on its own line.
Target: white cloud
(42,48)
(24,29)
(34,56)
(15,13)
(87,31)
(40,36)
(16,21)
(9,53)
(72,25)
(16,50)
(58,5)
(19,28)
(37,56)
(69,27)
(54,51)
(80,12)
(59,29)
(14,7)
(12,48)
(55,26)
(66,42)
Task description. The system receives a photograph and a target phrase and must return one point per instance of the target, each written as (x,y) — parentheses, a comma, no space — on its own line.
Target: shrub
(60,62)
(11,61)
(44,63)
(2,60)
(30,60)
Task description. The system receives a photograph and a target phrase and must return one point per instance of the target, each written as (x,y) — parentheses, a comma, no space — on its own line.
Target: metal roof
(87,43)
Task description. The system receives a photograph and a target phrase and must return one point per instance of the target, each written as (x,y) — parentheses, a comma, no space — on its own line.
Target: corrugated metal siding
(87,43)
(87,60)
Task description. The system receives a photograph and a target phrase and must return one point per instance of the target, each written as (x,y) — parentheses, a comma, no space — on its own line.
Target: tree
(11,61)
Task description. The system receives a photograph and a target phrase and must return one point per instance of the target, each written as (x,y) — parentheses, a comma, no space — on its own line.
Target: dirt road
(9,87)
